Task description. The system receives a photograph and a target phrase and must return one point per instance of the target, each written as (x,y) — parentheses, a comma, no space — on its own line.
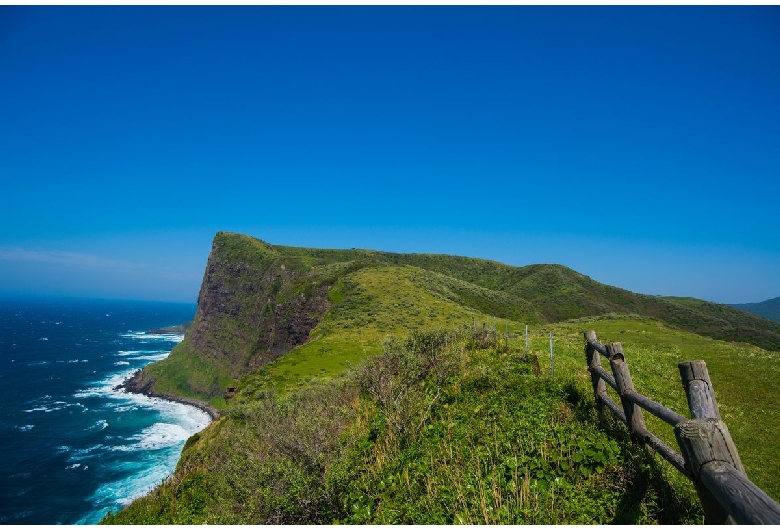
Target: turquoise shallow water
(72,447)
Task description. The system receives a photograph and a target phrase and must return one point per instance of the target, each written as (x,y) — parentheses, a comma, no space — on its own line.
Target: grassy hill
(768,308)
(367,393)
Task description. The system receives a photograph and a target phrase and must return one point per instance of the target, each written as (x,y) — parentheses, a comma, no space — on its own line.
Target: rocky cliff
(254,305)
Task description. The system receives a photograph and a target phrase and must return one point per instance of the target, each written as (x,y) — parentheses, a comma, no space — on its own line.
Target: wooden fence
(709,457)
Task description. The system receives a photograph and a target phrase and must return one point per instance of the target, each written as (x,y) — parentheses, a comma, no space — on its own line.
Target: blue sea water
(71,447)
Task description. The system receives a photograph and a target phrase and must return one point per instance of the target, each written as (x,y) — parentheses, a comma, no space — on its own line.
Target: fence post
(634,418)
(526,341)
(552,358)
(594,361)
(705,438)
(698,389)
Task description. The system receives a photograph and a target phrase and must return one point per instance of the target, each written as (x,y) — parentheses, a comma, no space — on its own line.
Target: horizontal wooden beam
(606,376)
(669,454)
(614,407)
(599,347)
(742,499)
(656,409)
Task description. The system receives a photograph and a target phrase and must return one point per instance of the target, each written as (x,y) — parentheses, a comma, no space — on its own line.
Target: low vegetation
(455,427)
(414,399)
(260,301)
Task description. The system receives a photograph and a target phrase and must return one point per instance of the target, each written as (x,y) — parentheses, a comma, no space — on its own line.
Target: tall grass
(441,427)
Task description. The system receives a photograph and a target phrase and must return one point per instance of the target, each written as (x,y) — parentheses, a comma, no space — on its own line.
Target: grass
(254,293)
(507,447)
(485,440)
(743,378)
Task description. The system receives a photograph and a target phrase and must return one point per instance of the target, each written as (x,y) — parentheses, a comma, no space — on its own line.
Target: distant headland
(178,329)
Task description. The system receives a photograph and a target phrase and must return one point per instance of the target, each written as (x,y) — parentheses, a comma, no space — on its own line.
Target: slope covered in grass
(260,301)
(340,414)
(475,436)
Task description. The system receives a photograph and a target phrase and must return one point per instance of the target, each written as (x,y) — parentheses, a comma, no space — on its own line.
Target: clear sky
(637,145)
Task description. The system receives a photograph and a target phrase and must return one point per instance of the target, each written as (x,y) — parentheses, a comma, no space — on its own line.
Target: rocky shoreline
(139,384)
(177,329)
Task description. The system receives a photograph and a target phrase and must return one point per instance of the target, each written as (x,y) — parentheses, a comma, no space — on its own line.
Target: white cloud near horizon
(67,258)
(66,273)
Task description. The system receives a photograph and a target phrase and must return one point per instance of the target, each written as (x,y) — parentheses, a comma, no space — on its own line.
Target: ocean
(73,448)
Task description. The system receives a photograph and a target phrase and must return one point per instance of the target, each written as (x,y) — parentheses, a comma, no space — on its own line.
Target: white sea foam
(99,425)
(123,408)
(125,353)
(164,440)
(158,357)
(105,387)
(137,484)
(170,337)
(88,393)
(190,418)
(73,466)
(25,427)
(85,452)
(145,337)
(44,408)
(150,455)
(158,436)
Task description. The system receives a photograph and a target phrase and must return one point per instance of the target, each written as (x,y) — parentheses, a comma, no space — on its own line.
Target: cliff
(259,301)
(305,439)
(254,305)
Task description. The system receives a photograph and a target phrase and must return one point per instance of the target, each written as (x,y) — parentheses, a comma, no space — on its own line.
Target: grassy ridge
(258,301)
(478,437)
(554,293)
(498,445)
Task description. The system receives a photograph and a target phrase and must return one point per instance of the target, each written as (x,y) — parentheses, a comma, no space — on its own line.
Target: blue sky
(637,145)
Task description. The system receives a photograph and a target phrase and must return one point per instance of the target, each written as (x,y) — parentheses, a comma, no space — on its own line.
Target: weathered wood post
(705,439)
(552,358)
(594,361)
(634,418)
(526,341)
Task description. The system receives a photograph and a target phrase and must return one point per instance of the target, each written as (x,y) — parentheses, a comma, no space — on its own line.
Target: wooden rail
(709,457)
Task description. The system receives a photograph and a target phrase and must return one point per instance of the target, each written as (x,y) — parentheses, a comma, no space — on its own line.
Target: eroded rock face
(254,305)
(250,313)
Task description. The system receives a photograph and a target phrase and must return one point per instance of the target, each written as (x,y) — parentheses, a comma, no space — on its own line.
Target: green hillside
(259,301)
(768,308)
(365,389)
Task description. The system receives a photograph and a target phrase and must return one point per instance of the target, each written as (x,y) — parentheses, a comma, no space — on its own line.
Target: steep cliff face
(254,305)
(251,313)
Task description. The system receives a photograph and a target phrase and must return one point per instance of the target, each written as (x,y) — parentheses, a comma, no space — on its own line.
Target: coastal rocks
(171,330)
(141,383)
